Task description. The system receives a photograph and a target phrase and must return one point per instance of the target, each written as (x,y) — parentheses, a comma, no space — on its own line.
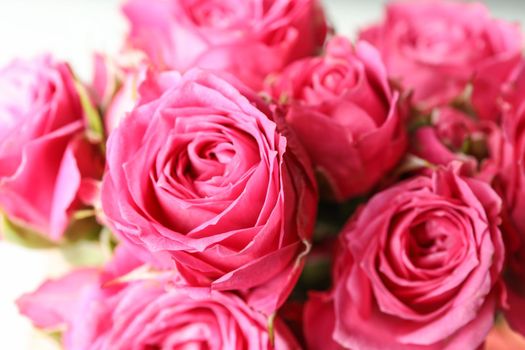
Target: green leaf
(17,234)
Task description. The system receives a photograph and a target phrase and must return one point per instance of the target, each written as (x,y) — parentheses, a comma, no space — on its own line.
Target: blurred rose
(511,183)
(152,313)
(45,158)
(345,114)
(248,39)
(513,166)
(418,268)
(124,99)
(435,48)
(455,136)
(210,175)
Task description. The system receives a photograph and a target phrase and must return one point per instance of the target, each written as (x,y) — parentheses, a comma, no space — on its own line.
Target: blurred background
(72,30)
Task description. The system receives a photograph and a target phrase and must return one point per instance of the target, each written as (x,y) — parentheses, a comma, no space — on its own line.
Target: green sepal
(15,233)
(95,128)
(83,253)
(271,330)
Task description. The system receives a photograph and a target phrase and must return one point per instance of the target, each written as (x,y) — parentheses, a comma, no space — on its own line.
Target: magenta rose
(456,136)
(418,268)
(436,48)
(248,39)
(512,169)
(510,181)
(211,176)
(152,313)
(346,115)
(45,159)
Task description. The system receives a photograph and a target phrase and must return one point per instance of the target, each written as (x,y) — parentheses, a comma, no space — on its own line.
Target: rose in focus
(211,176)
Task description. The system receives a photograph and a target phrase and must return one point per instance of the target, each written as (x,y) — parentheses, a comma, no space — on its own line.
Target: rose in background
(248,39)
(436,48)
(511,184)
(346,115)
(115,85)
(46,160)
(108,309)
(209,175)
(452,135)
(418,268)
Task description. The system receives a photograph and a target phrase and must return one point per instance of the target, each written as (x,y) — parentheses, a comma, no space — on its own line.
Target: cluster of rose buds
(247,178)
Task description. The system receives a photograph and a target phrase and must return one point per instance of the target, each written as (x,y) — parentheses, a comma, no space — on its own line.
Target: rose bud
(346,115)
(115,85)
(455,136)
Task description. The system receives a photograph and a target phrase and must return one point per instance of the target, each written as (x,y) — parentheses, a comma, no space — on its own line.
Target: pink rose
(511,183)
(512,172)
(455,136)
(435,48)
(345,114)
(152,313)
(501,337)
(124,99)
(418,268)
(248,39)
(45,159)
(210,175)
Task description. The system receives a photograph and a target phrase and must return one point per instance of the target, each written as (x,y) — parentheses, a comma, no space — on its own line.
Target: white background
(72,30)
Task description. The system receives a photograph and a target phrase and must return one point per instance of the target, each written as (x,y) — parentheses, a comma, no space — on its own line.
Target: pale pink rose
(115,85)
(436,48)
(346,115)
(211,176)
(148,313)
(45,159)
(419,268)
(248,39)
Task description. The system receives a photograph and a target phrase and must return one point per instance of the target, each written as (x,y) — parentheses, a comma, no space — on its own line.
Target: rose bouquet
(242,176)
